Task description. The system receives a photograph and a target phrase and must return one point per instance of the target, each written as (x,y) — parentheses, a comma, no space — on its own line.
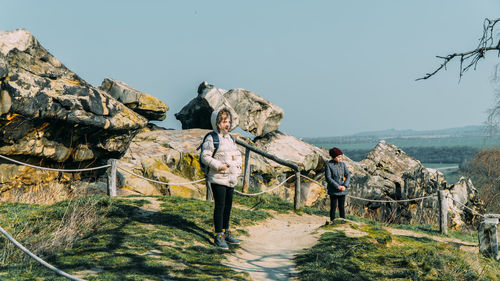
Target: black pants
(333,206)
(223,198)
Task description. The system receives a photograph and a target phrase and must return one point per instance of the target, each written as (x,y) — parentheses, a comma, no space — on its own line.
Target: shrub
(484,170)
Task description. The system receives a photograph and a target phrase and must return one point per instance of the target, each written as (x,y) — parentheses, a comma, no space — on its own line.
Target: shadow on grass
(122,249)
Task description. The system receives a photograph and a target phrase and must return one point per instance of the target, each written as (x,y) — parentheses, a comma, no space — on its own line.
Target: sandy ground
(267,253)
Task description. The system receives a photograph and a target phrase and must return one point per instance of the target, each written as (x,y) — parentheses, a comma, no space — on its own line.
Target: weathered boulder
(165,156)
(257,115)
(49,112)
(307,156)
(250,111)
(463,197)
(142,103)
(197,113)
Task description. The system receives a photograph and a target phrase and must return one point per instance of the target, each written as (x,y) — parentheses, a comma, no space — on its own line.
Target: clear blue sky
(335,67)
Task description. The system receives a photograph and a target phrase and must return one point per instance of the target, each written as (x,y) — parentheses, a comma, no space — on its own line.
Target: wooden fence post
(487,234)
(296,201)
(443,212)
(112,178)
(246,175)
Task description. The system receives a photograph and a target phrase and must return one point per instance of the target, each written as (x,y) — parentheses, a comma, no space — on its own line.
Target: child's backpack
(204,168)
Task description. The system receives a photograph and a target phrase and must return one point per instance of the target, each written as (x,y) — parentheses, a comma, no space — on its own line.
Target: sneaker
(219,241)
(230,239)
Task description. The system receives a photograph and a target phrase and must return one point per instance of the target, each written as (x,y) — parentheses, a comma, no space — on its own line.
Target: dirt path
(267,253)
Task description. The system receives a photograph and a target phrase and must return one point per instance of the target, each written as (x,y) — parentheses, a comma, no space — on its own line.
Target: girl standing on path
(338,177)
(225,167)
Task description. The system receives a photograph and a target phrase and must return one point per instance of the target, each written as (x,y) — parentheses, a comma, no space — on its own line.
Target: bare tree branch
(493,122)
(488,42)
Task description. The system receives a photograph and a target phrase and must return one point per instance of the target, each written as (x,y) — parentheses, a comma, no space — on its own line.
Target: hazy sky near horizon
(334,67)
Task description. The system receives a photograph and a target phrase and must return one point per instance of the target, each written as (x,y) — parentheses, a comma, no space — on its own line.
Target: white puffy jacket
(227,153)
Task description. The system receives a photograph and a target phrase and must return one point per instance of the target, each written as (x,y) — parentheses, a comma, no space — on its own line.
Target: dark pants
(223,198)
(333,206)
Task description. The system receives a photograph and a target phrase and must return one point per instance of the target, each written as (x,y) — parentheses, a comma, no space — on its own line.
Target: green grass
(433,230)
(269,202)
(382,256)
(470,236)
(125,243)
(120,239)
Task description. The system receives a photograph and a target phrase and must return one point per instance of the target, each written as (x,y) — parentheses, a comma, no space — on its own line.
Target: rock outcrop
(253,113)
(142,103)
(196,114)
(51,113)
(165,156)
(307,156)
(257,115)
(461,197)
(49,116)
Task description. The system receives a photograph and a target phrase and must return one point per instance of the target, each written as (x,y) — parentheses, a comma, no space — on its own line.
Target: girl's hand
(224,167)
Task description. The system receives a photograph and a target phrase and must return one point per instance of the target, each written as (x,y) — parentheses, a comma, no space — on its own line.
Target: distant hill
(474,130)
(452,145)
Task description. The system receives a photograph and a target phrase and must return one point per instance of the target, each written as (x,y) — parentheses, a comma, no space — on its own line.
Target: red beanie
(334,152)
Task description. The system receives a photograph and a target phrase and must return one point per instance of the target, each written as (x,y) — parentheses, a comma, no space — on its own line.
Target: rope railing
(392,201)
(472,211)
(262,192)
(41,261)
(53,169)
(374,200)
(200,180)
(157,181)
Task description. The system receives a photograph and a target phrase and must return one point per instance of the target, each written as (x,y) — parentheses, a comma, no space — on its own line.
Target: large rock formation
(51,113)
(51,117)
(253,113)
(142,103)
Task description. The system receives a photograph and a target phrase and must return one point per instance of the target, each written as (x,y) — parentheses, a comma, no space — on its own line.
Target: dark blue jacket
(334,173)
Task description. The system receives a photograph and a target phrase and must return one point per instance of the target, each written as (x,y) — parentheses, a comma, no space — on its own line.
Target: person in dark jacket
(338,178)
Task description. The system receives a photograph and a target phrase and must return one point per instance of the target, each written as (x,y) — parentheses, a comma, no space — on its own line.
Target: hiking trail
(267,253)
